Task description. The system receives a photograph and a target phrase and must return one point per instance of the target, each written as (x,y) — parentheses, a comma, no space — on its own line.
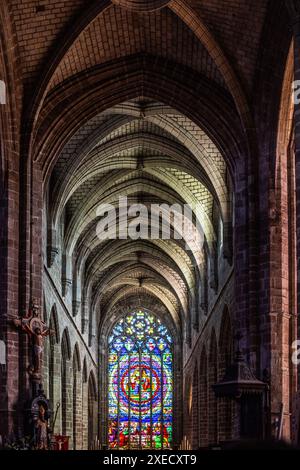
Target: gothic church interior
(149,342)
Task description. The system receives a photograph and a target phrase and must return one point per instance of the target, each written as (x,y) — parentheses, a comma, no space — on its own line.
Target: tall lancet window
(140,394)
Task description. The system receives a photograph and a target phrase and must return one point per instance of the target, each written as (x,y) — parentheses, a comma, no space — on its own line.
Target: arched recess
(77,400)
(203,400)
(195,409)
(54,365)
(92,412)
(225,359)
(66,386)
(213,419)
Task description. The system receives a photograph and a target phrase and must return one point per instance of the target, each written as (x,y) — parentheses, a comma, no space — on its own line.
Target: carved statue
(37,330)
(39,420)
(42,430)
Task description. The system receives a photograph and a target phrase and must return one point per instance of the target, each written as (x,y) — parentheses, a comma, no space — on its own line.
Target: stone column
(294,11)
(203,401)
(10,419)
(10,380)
(77,411)
(84,415)
(67,401)
(55,391)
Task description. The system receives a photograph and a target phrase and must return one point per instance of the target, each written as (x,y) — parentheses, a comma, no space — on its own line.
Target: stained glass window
(140,385)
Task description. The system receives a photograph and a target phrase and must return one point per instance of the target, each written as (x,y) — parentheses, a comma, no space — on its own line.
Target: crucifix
(37,330)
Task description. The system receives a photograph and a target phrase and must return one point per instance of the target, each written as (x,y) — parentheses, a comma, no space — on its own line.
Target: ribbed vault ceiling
(100,129)
(149,153)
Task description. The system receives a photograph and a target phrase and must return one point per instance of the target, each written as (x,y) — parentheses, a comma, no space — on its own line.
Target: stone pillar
(9,233)
(67,401)
(295,20)
(9,283)
(212,400)
(84,415)
(195,411)
(77,409)
(55,388)
(203,401)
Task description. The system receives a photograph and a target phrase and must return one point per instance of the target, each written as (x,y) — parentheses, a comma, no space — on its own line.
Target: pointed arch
(92,411)
(84,371)
(54,325)
(93,385)
(66,345)
(76,358)
(140,362)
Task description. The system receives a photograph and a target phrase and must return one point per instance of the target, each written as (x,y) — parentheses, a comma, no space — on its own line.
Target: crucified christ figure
(37,330)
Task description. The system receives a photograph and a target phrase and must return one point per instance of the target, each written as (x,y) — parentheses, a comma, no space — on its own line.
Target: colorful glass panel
(140,384)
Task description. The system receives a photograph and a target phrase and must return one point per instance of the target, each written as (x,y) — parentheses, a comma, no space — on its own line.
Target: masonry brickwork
(175,102)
